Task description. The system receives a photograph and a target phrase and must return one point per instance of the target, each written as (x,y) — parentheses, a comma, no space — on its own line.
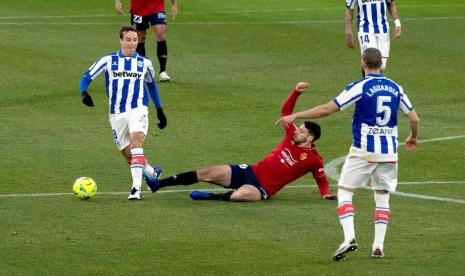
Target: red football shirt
(288,162)
(146,7)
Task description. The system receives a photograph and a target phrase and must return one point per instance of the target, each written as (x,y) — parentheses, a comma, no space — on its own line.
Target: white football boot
(164,77)
(134,194)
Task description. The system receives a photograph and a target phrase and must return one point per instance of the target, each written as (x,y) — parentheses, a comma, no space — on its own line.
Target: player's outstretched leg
(186,178)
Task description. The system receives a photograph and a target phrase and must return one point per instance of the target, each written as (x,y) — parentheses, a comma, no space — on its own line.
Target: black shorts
(142,22)
(243,174)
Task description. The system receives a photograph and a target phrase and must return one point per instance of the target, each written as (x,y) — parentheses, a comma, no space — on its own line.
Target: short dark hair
(314,129)
(126,29)
(372,58)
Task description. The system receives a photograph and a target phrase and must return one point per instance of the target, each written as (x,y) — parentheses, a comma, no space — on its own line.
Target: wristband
(397,22)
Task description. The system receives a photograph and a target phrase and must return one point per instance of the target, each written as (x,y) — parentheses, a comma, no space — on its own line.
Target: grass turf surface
(233,64)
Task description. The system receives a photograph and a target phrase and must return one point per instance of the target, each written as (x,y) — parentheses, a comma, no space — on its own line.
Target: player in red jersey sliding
(294,157)
(143,13)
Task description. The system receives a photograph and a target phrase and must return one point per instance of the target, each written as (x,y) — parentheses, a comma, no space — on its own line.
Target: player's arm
(323,184)
(96,69)
(155,96)
(174,8)
(350,40)
(412,140)
(316,112)
(118,7)
(407,108)
(392,8)
(289,104)
(347,97)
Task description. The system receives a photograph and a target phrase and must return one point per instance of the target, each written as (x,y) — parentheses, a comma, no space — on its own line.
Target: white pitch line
(290,22)
(446,199)
(248,11)
(429,182)
(213,190)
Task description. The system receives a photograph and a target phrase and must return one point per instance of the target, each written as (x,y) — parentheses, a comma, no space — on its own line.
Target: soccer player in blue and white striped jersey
(128,77)
(372,25)
(373,154)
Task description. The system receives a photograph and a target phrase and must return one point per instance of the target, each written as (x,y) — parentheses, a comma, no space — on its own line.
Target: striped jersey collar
(120,54)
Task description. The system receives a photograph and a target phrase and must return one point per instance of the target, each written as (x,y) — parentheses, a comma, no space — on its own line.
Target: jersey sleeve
(96,69)
(152,87)
(289,104)
(349,96)
(405,105)
(290,130)
(319,175)
(350,4)
(150,74)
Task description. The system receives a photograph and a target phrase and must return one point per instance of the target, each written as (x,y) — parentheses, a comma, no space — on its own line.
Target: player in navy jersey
(373,154)
(143,13)
(294,157)
(372,25)
(128,76)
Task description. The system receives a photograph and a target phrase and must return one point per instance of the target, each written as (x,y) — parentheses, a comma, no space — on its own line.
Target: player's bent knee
(239,195)
(207,175)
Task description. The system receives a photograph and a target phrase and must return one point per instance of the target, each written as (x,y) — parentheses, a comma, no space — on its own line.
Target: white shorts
(356,172)
(122,124)
(378,41)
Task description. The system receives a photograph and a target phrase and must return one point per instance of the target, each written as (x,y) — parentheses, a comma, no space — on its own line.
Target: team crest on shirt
(140,63)
(303,156)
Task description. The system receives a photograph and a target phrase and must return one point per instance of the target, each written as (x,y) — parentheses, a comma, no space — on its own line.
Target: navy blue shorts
(142,22)
(243,174)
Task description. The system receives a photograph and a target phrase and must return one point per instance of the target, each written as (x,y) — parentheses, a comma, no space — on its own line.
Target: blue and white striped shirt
(372,15)
(126,81)
(374,124)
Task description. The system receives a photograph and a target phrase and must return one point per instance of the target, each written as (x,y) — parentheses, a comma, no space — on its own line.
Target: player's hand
(287,120)
(174,11)
(411,143)
(397,32)
(301,87)
(87,99)
(161,118)
(118,7)
(330,197)
(350,41)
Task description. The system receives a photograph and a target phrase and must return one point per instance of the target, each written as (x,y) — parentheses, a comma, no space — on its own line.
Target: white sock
(137,166)
(381,219)
(149,170)
(346,213)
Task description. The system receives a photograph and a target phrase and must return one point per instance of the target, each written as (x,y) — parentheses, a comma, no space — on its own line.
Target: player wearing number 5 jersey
(373,154)
(372,25)
(128,77)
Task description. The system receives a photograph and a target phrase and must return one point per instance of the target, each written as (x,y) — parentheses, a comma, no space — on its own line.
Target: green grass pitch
(233,63)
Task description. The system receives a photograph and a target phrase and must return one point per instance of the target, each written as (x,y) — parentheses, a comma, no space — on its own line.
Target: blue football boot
(153,181)
(198,195)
